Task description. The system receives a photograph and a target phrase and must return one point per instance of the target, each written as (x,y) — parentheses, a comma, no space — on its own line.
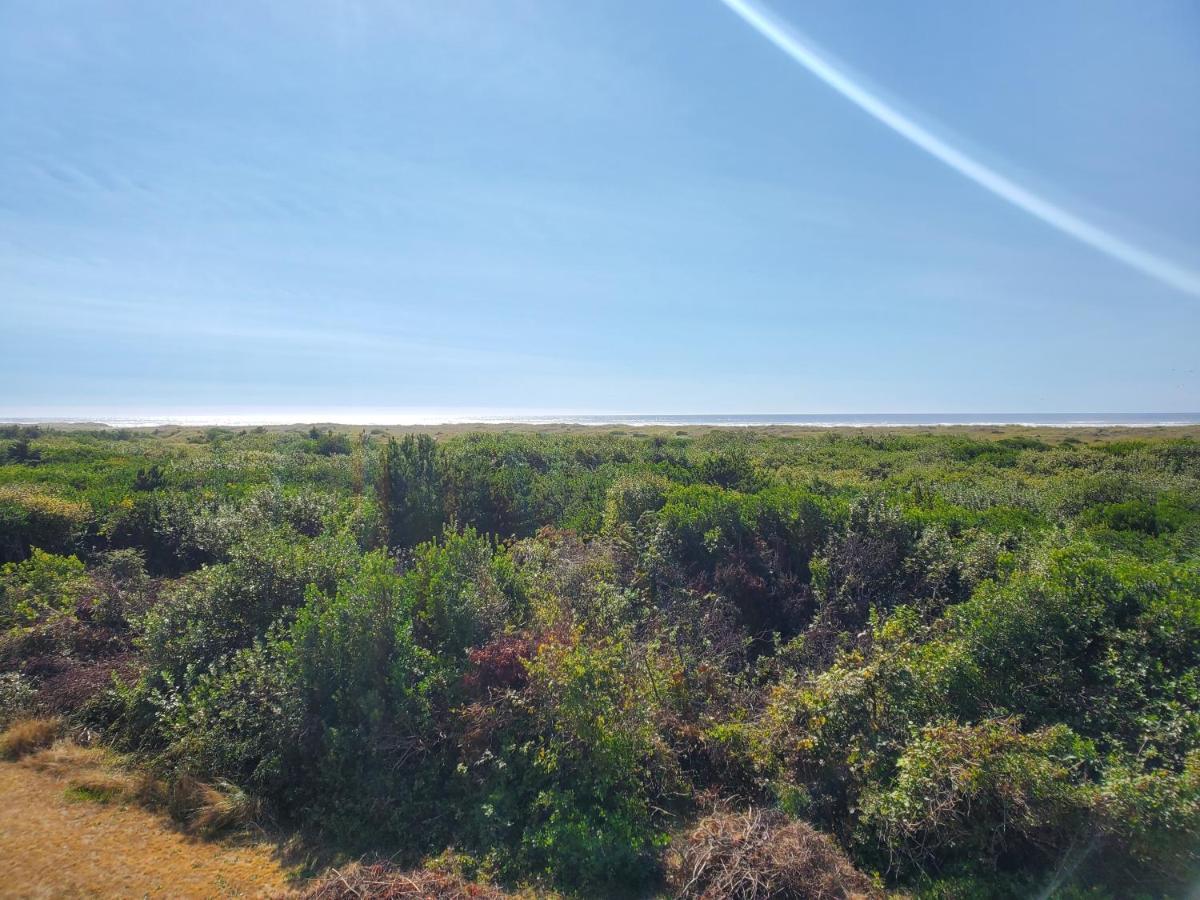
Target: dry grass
(27,735)
(94,774)
(204,809)
(380,880)
(762,854)
(90,773)
(100,786)
(223,807)
(72,825)
(64,757)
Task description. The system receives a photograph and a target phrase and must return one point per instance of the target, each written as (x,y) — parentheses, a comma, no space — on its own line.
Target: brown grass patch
(62,841)
(91,773)
(380,880)
(224,807)
(65,757)
(27,735)
(759,854)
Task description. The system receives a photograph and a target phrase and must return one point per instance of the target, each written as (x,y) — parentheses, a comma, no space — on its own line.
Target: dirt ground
(55,844)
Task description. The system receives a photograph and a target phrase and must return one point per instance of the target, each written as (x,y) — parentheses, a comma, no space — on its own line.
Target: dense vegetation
(972,665)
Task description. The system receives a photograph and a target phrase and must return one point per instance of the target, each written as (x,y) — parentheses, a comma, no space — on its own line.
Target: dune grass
(28,735)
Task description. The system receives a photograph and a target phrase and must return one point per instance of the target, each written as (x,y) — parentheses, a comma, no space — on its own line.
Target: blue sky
(592,205)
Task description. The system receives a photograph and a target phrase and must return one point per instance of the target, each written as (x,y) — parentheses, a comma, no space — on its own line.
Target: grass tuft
(206,809)
(224,807)
(65,757)
(28,735)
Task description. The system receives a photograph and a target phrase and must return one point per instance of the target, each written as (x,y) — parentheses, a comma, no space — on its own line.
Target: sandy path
(54,847)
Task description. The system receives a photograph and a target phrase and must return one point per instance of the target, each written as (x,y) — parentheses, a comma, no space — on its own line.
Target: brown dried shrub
(381,880)
(762,854)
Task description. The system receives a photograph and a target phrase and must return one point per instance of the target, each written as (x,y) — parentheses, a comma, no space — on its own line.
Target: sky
(594,206)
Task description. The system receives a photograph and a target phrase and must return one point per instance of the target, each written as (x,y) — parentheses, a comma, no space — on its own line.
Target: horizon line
(447,417)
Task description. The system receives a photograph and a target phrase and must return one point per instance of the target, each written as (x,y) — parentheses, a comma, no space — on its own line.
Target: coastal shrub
(32,516)
(367,689)
(565,772)
(225,607)
(408,490)
(630,497)
(459,591)
(968,663)
(42,584)
(754,550)
(986,793)
(241,721)
(1148,823)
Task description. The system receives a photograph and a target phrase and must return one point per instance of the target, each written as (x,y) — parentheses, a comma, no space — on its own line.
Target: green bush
(44,583)
(987,793)
(562,777)
(460,592)
(1149,822)
(31,516)
(225,607)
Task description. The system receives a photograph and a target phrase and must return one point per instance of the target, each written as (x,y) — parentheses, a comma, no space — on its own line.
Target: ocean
(361,416)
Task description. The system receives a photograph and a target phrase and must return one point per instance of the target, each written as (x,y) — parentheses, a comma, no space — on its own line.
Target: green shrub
(1149,822)
(32,516)
(225,607)
(985,793)
(630,497)
(241,721)
(44,583)
(458,592)
(568,770)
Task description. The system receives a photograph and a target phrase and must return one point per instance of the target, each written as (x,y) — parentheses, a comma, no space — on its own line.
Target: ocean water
(360,416)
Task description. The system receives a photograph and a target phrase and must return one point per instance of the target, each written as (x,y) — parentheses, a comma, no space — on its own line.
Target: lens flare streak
(803,52)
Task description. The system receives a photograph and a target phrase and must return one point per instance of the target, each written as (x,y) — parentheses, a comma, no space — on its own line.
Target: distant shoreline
(1050,433)
(408,420)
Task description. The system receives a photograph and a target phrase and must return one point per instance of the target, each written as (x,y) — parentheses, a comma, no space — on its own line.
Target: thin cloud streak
(803,52)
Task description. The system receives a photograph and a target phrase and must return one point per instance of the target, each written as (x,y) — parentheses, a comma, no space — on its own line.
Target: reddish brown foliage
(74,684)
(499,665)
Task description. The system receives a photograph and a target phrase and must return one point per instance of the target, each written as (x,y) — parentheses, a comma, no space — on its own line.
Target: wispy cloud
(265,327)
